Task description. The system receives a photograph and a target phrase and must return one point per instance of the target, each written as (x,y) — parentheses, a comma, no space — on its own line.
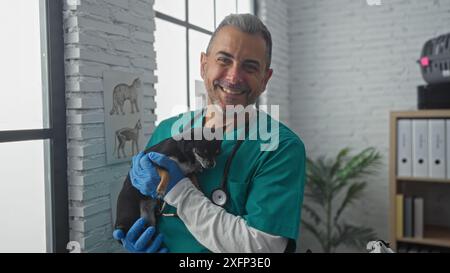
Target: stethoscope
(219,196)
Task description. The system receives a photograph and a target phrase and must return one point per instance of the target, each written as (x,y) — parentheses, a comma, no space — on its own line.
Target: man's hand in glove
(139,239)
(144,175)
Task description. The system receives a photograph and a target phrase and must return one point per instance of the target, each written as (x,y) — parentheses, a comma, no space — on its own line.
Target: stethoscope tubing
(219,196)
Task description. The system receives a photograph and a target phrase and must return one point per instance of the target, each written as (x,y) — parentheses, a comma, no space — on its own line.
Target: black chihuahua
(192,157)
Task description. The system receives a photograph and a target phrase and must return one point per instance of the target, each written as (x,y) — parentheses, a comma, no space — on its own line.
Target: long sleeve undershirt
(214,227)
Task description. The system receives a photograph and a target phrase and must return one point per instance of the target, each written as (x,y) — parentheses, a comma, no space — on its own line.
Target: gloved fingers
(156,244)
(145,163)
(136,159)
(143,175)
(152,171)
(136,230)
(145,238)
(118,234)
(163,250)
(162,160)
(136,169)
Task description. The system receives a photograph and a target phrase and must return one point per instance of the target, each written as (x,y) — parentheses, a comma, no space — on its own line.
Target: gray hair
(247,23)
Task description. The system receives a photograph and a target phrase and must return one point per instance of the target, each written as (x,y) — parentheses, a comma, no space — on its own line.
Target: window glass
(224,8)
(197,43)
(201,13)
(21,105)
(22,197)
(171,90)
(245,6)
(174,8)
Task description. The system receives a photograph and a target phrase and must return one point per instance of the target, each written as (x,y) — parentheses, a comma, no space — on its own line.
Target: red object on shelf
(425,61)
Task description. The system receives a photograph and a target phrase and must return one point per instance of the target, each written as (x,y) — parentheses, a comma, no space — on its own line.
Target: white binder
(437,162)
(404,147)
(420,147)
(447,144)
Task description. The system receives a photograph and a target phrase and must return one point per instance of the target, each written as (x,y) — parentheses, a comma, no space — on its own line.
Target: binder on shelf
(404,147)
(408,221)
(418,217)
(399,215)
(437,162)
(420,147)
(447,144)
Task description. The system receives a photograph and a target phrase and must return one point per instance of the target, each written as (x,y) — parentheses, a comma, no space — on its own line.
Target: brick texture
(274,15)
(101,35)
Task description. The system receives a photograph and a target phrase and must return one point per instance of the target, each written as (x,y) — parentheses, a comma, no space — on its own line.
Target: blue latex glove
(145,177)
(138,238)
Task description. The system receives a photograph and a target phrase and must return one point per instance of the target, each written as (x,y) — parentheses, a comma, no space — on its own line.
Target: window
(33,188)
(183,30)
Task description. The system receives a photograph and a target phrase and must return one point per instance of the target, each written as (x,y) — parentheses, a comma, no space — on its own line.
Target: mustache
(234,86)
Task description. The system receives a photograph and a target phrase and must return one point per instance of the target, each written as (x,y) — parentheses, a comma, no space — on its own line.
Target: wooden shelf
(422,179)
(433,235)
(421,114)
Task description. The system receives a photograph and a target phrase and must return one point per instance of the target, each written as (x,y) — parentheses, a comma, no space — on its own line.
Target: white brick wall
(101,35)
(351,64)
(274,15)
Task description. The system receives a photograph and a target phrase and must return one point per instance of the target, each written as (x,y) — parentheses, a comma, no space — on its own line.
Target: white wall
(101,36)
(351,64)
(274,14)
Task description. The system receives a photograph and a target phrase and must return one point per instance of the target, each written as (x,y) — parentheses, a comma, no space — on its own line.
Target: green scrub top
(264,187)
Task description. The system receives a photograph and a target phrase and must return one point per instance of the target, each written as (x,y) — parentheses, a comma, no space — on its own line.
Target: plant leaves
(359,165)
(338,162)
(319,235)
(312,213)
(316,183)
(354,192)
(326,179)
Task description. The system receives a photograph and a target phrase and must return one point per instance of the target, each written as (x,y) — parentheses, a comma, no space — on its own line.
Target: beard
(229,102)
(223,93)
(230,117)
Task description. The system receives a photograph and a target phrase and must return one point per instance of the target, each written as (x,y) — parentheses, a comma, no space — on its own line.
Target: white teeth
(228,91)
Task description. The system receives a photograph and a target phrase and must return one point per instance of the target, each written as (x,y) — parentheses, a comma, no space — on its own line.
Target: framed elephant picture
(123,109)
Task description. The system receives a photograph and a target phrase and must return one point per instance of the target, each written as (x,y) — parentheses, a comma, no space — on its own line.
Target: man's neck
(218,118)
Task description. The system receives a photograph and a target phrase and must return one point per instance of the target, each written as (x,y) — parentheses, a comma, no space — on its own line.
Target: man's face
(235,70)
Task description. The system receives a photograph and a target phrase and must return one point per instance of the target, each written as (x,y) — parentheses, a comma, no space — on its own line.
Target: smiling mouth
(232,92)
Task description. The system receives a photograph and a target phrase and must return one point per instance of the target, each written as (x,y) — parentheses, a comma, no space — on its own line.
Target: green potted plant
(332,186)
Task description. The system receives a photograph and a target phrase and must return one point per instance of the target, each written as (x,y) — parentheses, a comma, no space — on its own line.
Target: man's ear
(203,61)
(267,77)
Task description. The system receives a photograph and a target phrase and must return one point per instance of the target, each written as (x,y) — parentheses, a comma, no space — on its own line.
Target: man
(264,187)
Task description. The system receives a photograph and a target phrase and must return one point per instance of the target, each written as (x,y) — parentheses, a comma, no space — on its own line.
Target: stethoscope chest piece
(219,197)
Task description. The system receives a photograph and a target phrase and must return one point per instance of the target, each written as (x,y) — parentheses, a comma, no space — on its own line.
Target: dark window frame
(56,133)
